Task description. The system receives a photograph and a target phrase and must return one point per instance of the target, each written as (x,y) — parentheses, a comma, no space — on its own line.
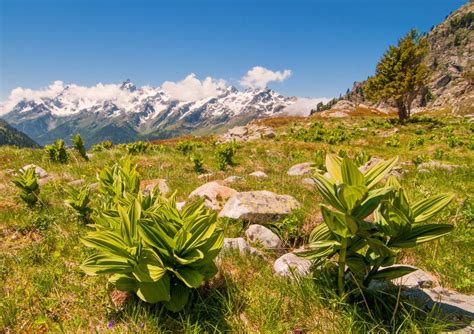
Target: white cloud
(19,93)
(303,106)
(259,77)
(193,89)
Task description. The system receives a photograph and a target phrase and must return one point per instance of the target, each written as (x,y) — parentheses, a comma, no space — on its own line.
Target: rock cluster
(247,132)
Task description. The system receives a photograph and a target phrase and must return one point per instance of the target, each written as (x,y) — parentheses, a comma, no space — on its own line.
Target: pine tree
(400,75)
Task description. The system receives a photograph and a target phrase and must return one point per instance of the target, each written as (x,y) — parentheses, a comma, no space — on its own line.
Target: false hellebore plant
(147,245)
(363,247)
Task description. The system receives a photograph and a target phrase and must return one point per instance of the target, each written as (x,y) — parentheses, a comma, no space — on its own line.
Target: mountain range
(11,136)
(133,113)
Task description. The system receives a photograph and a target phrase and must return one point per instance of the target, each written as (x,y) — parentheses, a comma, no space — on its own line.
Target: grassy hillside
(42,288)
(11,136)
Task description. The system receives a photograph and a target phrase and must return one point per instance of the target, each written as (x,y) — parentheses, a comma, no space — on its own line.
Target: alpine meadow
(224,206)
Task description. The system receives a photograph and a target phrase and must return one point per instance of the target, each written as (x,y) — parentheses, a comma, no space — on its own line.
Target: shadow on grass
(208,310)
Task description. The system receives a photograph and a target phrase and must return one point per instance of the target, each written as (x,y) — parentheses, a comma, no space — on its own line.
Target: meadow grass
(43,289)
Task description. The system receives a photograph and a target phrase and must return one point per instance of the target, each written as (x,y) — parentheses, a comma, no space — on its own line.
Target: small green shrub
(393,142)
(102,146)
(137,147)
(79,201)
(27,183)
(185,146)
(361,158)
(78,145)
(439,154)
(57,151)
(225,155)
(149,247)
(198,164)
(419,159)
(364,248)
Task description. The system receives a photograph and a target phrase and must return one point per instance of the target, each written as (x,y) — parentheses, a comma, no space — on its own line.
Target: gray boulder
(238,244)
(259,206)
(259,175)
(436,165)
(78,182)
(38,170)
(264,236)
(149,185)
(301,169)
(290,265)
(416,279)
(214,194)
(233,179)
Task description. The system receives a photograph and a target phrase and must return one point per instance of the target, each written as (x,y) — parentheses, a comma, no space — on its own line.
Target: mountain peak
(128,85)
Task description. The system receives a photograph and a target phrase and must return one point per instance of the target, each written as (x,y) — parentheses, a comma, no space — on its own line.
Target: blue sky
(327,44)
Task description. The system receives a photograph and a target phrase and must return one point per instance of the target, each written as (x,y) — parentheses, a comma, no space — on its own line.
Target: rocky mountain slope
(135,113)
(11,136)
(450,61)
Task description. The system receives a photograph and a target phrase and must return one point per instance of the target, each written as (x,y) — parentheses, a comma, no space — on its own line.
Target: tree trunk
(403,112)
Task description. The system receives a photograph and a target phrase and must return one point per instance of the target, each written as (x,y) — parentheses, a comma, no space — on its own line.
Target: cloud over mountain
(259,77)
(193,89)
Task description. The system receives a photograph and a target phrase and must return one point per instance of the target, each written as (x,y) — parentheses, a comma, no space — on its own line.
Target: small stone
(233,179)
(238,244)
(40,171)
(301,169)
(436,165)
(291,264)
(259,175)
(308,182)
(149,185)
(180,205)
(205,176)
(264,236)
(77,182)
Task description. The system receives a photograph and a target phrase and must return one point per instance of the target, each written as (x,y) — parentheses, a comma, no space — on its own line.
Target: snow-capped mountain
(125,112)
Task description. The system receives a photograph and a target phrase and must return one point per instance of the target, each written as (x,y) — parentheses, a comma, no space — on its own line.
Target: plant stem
(342,266)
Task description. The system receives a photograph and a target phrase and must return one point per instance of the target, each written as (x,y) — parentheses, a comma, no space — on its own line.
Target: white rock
(39,171)
(308,182)
(301,169)
(77,182)
(290,265)
(238,244)
(149,185)
(180,205)
(214,194)
(436,165)
(418,278)
(264,236)
(259,175)
(259,206)
(233,179)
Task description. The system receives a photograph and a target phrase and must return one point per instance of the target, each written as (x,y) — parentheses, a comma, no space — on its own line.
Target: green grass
(42,287)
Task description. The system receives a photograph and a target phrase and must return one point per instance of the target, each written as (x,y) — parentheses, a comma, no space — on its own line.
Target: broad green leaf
(392,272)
(428,207)
(179,298)
(319,233)
(333,166)
(124,282)
(351,196)
(379,171)
(351,174)
(371,202)
(420,234)
(189,276)
(338,223)
(189,257)
(149,267)
(105,263)
(106,241)
(358,265)
(327,189)
(154,292)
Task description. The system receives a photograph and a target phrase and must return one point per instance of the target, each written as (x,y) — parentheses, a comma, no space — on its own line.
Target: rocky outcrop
(259,206)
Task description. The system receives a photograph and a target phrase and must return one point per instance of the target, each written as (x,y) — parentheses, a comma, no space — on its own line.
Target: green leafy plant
(198,164)
(104,145)
(225,155)
(363,248)
(393,142)
(137,147)
(78,145)
(27,183)
(419,159)
(439,154)
(79,201)
(185,146)
(57,151)
(361,158)
(149,247)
